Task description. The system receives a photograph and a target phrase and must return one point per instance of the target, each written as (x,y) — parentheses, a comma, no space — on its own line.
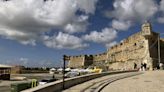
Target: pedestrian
(145,66)
(53,76)
(135,65)
(141,68)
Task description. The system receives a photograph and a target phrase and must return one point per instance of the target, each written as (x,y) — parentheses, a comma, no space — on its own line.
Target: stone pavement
(87,86)
(150,81)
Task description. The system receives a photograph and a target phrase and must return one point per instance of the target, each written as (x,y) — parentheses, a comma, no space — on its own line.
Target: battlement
(87,56)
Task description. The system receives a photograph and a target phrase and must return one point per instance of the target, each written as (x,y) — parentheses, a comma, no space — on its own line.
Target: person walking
(135,65)
(141,68)
(145,66)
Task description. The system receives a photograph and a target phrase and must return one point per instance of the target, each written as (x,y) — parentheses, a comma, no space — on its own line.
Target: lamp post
(64,58)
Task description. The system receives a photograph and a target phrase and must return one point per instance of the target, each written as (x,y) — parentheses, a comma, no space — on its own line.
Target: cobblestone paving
(150,81)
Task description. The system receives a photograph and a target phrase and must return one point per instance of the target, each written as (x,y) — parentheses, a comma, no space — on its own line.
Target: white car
(44,81)
(60,69)
(71,74)
(68,69)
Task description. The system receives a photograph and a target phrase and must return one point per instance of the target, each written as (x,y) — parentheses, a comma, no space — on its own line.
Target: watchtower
(146,28)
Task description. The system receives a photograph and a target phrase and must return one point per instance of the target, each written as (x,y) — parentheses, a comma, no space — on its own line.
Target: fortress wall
(138,48)
(86,60)
(76,61)
(133,49)
(128,65)
(100,57)
(128,49)
(100,60)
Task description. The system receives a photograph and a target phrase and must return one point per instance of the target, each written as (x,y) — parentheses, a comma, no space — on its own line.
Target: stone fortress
(141,47)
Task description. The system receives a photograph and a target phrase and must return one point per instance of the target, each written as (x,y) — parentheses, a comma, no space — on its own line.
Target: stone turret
(146,28)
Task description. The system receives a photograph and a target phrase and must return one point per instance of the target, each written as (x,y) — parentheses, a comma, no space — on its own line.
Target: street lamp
(64,71)
(65,58)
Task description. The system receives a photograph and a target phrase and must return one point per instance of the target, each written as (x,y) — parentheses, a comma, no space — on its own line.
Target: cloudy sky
(39,32)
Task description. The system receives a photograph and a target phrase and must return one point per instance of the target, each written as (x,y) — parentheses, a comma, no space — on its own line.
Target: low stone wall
(57,86)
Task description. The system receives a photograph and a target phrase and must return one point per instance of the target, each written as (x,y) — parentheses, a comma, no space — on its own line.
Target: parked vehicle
(44,81)
(71,74)
(94,69)
(52,71)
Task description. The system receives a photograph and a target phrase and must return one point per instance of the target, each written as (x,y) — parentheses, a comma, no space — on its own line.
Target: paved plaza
(150,81)
(92,85)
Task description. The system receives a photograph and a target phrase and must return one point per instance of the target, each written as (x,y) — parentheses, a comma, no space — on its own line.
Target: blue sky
(37,33)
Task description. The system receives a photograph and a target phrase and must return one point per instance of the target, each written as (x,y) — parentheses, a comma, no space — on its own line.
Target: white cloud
(64,41)
(87,5)
(80,24)
(72,28)
(26,20)
(161,9)
(108,45)
(107,35)
(121,25)
(132,11)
